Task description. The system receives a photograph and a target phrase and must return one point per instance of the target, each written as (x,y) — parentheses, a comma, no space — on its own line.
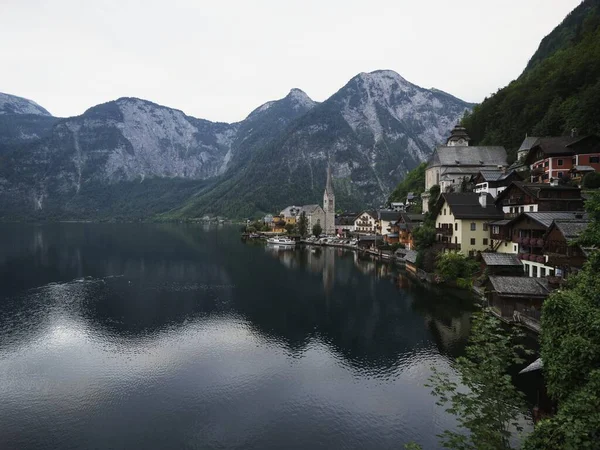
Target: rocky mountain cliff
(11,104)
(133,158)
(374,129)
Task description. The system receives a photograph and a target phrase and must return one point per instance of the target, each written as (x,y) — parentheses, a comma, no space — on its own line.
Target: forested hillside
(558,91)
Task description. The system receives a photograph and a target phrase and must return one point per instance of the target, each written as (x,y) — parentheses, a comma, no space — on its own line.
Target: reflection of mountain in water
(146,279)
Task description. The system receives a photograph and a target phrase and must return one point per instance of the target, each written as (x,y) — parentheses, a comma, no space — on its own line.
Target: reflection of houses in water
(329,269)
(448,331)
(364,263)
(287,256)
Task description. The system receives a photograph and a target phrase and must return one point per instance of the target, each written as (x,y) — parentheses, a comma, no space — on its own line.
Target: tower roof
(457,133)
(329,185)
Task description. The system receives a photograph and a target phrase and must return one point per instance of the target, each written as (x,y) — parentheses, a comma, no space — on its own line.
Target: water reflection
(161,336)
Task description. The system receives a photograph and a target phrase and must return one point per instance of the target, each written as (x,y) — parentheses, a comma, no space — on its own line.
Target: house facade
(462,221)
(521,197)
(493,182)
(553,158)
(314,215)
(366,222)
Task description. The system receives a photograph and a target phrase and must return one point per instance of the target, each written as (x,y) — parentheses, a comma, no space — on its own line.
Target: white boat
(281,241)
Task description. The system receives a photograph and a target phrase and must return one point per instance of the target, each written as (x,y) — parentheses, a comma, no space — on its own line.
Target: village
(515,225)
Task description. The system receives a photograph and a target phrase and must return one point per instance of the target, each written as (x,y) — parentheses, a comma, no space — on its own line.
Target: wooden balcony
(444,231)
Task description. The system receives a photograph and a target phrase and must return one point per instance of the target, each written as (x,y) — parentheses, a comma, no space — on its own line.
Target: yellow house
(462,221)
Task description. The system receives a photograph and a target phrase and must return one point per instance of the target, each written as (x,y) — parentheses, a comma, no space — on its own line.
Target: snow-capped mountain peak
(11,104)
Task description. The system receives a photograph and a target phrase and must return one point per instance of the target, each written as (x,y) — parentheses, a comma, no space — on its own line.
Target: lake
(181,336)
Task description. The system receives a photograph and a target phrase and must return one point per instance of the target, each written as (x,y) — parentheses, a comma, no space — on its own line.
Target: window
(542,271)
(456,226)
(472,241)
(495,229)
(594,159)
(515,248)
(546,164)
(535,271)
(444,211)
(473,226)
(531,208)
(506,244)
(560,162)
(485,227)
(485,241)
(560,174)
(522,209)
(526,268)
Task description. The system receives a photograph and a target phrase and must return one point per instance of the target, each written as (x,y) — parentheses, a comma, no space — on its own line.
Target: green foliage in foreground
(484,400)
(570,349)
(413,182)
(558,92)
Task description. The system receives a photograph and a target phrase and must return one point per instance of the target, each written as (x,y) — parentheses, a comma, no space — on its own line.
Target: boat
(281,241)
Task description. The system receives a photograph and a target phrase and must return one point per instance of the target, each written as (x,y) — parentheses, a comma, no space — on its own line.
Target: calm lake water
(181,336)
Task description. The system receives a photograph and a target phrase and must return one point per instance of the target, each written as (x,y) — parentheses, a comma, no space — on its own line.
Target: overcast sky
(218,60)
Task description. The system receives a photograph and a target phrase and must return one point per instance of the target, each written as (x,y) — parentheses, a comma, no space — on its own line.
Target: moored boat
(281,241)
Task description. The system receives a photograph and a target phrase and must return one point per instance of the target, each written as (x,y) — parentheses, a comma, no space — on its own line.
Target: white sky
(218,60)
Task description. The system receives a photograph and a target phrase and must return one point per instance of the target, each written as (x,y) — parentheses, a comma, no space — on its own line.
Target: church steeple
(329,203)
(458,137)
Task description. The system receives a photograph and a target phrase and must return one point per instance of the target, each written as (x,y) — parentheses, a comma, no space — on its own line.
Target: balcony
(444,231)
(514,201)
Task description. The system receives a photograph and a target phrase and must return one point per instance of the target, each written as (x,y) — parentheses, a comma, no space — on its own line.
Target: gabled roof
(546,218)
(309,209)
(534,189)
(410,256)
(468,156)
(520,286)
(571,229)
(527,143)
(389,215)
(465,205)
(562,145)
(501,259)
(373,214)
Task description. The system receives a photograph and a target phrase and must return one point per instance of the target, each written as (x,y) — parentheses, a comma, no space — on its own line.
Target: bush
(591,180)
(455,266)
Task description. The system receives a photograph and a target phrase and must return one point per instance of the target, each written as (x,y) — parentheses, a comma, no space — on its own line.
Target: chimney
(483,199)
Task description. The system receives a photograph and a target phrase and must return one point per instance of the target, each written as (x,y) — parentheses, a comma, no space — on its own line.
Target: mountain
(11,104)
(132,158)
(373,130)
(558,91)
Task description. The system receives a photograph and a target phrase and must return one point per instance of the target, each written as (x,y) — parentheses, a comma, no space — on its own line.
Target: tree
(302,224)
(570,350)
(455,266)
(591,180)
(489,406)
(290,227)
(424,237)
(317,229)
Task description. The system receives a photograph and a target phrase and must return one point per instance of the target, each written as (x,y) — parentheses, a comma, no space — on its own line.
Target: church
(329,205)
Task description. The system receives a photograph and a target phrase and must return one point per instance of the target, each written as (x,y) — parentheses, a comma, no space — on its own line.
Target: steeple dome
(458,137)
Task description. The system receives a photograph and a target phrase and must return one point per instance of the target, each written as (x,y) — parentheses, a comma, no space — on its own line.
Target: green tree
(302,224)
(484,400)
(455,266)
(317,229)
(290,227)
(424,237)
(414,181)
(570,350)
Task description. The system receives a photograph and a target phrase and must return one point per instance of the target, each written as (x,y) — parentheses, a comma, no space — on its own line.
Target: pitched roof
(410,256)
(535,189)
(469,156)
(465,205)
(527,143)
(308,209)
(500,259)
(520,286)
(546,218)
(389,215)
(571,229)
(491,175)
(583,169)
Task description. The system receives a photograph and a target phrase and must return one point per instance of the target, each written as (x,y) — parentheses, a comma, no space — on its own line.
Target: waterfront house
(527,236)
(521,197)
(457,161)
(385,220)
(551,158)
(517,299)
(501,264)
(494,181)
(290,214)
(410,260)
(405,227)
(366,222)
(366,241)
(344,224)
(561,250)
(462,221)
(277,225)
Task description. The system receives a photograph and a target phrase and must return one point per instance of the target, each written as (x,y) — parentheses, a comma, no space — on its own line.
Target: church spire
(329,185)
